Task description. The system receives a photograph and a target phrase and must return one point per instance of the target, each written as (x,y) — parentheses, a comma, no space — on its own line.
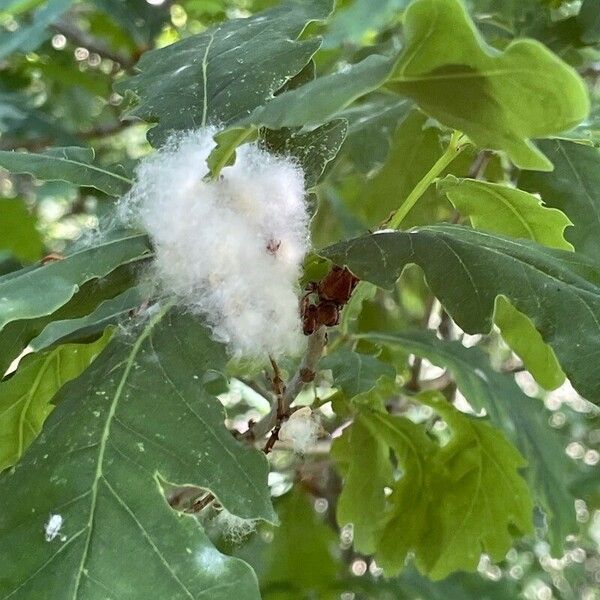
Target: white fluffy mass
(301,430)
(229,249)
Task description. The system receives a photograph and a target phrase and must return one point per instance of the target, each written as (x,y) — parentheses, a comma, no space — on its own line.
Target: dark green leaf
(355,373)
(109,312)
(222,74)
(559,291)
(370,129)
(319,100)
(313,150)
(74,165)
(20,296)
(352,24)
(140,415)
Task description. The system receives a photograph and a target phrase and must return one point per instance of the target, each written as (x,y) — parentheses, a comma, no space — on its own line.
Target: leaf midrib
(104,440)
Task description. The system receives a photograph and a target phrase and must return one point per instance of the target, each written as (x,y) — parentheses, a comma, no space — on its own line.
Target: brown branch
(305,373)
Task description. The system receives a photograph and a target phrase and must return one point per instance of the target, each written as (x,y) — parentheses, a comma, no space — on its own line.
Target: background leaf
(61,280)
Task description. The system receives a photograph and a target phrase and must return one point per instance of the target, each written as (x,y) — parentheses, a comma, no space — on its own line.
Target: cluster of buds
(323,301)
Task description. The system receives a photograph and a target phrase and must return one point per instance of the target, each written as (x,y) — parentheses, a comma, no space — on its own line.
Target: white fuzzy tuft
(301,430)
(52,527)
(231,249)
(233,528)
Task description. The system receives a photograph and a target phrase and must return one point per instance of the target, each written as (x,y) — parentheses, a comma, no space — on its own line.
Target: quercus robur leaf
(140,415)
(491,95)
(501,209)
(313,150)
(415,148)
(60,280)
(352,24)
(72,164)
(319,100)
(106,313)
(549,471)
(16,335)
(574,188)
(559,291)
(441,508)
(220,75)
(25,398)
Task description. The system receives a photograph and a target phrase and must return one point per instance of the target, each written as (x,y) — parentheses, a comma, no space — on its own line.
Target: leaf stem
(455,147)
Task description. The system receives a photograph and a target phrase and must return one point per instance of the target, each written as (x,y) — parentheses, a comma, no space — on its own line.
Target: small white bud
(301,430)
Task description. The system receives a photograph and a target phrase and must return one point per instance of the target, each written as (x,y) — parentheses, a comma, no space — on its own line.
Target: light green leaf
(415,148)
(139,416)
(294,568)
(492,96)
(319,100)
(559,291)
(477,460)
(574,188)
(355,373)
(367,471)
(501,209)
(71,164)
(441,508)
(523,418)
(220,75)
(25,398)
(226,143)
(20,296)
(18,233)
(526,342)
